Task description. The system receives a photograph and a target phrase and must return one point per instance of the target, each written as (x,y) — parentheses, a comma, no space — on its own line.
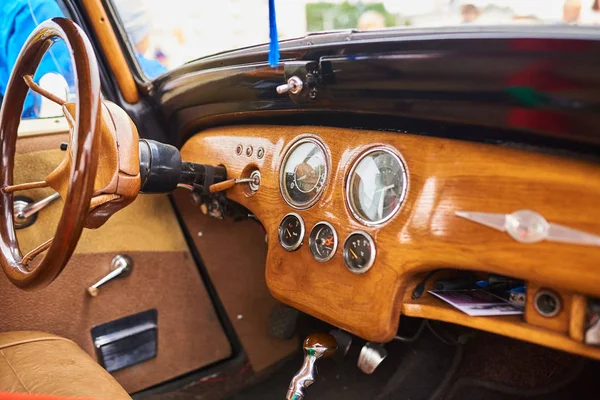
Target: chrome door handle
(120,266)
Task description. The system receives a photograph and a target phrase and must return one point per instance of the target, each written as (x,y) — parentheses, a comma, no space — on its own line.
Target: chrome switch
(294,85)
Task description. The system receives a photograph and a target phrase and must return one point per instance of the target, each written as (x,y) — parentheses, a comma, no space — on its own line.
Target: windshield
(166,34)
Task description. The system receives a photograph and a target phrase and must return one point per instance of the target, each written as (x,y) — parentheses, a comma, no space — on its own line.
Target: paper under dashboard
(477,302)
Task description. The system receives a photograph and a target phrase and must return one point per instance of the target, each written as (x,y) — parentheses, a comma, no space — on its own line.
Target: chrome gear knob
(316,346)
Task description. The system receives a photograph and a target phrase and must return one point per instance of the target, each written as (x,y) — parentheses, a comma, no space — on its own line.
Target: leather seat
(41,363)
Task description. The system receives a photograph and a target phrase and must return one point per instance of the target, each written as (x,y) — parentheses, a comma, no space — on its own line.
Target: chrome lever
(24,211)
(36,207)
(315,346)
(120,266)
(253,182)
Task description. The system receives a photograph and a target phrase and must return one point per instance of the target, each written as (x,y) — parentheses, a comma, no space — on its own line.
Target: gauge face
(376,186)
(291,232)
(304,173)
(322,241)
(359,252)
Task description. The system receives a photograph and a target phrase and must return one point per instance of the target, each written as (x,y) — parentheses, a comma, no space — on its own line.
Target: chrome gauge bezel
(553,296)
(282,188)
(373,253)
(403,192)
(302,232)
(311,241)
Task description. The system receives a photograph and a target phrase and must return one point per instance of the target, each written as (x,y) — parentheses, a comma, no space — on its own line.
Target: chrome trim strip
(118,335)
(527,226)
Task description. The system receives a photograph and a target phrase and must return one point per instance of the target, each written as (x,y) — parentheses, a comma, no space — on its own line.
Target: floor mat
(496,367)
(492,367)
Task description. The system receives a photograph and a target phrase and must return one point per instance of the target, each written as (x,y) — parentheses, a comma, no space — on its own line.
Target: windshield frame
(314,39)
(126,46)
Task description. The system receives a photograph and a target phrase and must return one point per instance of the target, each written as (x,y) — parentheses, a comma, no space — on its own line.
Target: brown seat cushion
(41,363)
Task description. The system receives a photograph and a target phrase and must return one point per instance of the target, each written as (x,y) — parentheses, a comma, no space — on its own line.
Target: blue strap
(274,39)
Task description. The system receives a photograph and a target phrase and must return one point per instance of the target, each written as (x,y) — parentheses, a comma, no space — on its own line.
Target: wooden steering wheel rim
(84,140)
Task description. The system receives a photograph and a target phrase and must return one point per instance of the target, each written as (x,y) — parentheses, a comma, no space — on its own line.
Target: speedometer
(304,173)
(376,186)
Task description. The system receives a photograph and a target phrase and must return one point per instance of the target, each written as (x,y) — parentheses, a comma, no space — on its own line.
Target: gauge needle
(353,254)
(303,177)
(329,241)
(385,188)
(288,232)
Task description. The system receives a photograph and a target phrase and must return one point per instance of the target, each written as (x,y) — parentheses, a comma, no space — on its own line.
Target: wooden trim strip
(577,320)
(112,50)
(511,326)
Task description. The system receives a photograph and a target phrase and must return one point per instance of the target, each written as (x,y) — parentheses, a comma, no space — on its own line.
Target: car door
(191,330)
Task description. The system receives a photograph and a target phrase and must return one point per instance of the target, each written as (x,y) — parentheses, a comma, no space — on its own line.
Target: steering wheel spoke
(31,255)
(37,88)
(24,186)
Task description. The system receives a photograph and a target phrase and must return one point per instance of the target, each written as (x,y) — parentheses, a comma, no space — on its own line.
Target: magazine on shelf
(477,302)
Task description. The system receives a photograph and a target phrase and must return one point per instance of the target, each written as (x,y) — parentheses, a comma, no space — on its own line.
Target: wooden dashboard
(444,176)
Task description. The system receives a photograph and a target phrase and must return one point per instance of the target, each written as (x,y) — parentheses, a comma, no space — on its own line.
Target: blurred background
(176,31)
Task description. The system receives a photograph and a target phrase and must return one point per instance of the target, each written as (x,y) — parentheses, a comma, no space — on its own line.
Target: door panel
(164,277)
(234,254)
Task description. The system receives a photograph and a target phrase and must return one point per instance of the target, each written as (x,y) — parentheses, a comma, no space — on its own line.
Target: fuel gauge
(291,232)
(359,252)
(322,241)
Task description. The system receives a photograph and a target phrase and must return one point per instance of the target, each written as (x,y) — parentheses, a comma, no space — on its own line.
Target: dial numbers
(322,241)
(359,252)
(291,232)
(304,173)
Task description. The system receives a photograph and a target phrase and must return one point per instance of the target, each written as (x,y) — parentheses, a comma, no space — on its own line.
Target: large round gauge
(291,232)
(322,241)
(304,173)
(376,186)
(359,252)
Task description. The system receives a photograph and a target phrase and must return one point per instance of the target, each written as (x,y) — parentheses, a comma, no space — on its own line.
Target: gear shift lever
(316,346)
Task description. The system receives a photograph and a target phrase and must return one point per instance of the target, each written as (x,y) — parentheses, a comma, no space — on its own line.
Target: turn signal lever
(161,170)
(316,346)
(253,183)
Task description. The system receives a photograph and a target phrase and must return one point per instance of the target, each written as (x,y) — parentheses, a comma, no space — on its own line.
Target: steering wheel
(78,180)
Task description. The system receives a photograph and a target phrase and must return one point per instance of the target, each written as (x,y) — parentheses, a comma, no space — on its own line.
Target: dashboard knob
(294,85)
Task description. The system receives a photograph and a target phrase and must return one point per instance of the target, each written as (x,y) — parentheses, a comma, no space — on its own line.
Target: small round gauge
(291,232)
(359,252)
(322,241)
(304,173)
(376,186)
